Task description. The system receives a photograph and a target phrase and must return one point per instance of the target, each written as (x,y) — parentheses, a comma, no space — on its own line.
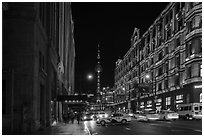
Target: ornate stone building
(170,53)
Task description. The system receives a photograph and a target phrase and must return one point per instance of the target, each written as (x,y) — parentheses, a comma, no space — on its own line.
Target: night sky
(110,25)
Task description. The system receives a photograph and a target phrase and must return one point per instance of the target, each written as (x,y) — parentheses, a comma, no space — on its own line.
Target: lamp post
(89,76)
(148,78)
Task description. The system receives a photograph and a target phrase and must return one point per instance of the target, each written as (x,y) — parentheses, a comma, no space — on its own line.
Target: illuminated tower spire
(98,70)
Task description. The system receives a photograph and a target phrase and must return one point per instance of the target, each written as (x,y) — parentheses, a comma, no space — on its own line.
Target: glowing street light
(90,76)
(147,76)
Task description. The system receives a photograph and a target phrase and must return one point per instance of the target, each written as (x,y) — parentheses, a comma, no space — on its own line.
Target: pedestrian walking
(78,116)
(72,117)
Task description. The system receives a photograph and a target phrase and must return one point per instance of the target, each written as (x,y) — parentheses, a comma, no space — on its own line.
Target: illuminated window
(200,97)
(149,103)
(196,70)
(142,105)
(168,101)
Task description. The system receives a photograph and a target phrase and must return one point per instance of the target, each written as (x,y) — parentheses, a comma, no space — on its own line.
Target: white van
(190,111)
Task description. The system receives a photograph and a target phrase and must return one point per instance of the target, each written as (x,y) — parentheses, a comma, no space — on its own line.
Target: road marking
(127,128)
(154,124)
(176,130)
(87,129)
(197,130)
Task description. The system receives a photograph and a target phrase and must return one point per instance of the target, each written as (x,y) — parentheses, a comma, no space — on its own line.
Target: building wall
(35,64)
(170,52)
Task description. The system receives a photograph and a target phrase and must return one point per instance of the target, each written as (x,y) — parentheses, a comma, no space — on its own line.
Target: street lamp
(89,76)
(148,78)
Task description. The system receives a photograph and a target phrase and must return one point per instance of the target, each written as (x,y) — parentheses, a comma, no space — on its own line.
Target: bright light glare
(90,76)
(147,76)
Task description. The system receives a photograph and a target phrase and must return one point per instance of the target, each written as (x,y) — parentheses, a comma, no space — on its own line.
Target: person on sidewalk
(72,116)
(78,116)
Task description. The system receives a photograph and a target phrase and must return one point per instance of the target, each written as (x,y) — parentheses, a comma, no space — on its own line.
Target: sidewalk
(65,129)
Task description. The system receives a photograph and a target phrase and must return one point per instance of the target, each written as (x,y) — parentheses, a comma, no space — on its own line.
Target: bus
(190,111)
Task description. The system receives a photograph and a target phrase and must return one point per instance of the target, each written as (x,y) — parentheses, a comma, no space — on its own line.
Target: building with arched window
(170,52)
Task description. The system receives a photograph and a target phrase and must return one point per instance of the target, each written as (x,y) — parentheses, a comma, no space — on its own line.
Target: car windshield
(152,112)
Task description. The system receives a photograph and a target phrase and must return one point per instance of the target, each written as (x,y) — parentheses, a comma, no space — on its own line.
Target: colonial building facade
(170,54)
(38,64)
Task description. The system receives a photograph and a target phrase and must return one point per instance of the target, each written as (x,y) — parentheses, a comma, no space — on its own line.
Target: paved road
(179,127)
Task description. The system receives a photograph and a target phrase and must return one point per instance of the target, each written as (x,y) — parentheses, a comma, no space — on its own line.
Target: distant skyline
(111,25)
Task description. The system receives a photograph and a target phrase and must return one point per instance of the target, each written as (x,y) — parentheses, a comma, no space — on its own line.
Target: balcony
(194,32)
(193,56)
(194,9)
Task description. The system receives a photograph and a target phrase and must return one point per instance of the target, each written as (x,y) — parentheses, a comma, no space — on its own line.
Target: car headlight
(106,115)
(85,117)
(92,116)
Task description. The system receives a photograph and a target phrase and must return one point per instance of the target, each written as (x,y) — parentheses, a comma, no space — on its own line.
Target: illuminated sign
(198,86)
(179,101)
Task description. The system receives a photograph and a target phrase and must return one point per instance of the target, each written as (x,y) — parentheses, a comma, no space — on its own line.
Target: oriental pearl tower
(98,70)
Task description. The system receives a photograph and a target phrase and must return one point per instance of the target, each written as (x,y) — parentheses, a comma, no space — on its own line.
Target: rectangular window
(177,61)
(196,22)
(166,84)
(179,98)
(177,80)
(178,42)
(196,70)
(180,24)
(160,56)
(188,72)
(142,105)
(166,50)
(172,63)
(160,71)
(168,101)
(167,66)
(196,46)
(160,86)
(149,103)
(189,49)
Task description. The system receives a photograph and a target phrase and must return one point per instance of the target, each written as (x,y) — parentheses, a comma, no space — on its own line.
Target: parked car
(131,115)
(99,114)
(137,114)
(168,115)
(114,118)
(150,115)
(190,111)
(102,115)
